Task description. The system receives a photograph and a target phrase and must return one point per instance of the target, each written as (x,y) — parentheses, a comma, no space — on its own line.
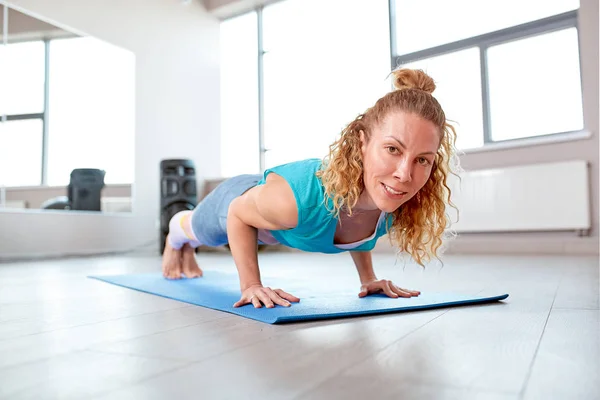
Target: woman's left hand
(386,287)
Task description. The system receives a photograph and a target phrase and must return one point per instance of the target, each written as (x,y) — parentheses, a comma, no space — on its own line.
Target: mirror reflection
(67,115)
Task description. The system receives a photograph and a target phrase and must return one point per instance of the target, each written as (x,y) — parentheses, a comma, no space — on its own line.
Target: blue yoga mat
(219,291)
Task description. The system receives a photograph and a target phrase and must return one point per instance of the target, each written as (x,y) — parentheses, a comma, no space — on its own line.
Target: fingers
(266,296)
(399,291)
(405,292)
(256,302)
(244,300)
(388,289)
(287,296)
(240,303)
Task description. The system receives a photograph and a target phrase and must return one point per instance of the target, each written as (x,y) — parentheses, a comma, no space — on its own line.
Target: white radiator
(537,197)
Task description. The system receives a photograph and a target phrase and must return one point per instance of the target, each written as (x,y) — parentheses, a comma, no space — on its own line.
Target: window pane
(22,78)
(532,91)
(428,23)
(21,152)
(317,82)
(240,153)
(91,111)
(458,89)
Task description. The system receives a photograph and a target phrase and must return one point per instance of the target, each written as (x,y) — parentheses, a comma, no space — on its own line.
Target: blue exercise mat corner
(219,291)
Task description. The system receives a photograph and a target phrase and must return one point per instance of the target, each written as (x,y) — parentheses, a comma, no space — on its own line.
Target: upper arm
(270,206)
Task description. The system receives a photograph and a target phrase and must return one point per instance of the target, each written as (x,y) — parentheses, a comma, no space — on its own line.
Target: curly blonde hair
(419,224)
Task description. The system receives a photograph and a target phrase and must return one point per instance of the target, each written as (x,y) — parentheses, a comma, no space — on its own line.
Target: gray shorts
(209,219)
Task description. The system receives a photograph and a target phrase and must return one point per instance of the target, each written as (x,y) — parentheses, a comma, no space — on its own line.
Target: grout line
(134,355)
(106,392)
(166,330)
(341,371)
(90,323)
(78,349)
(356,362)
(537,348)
(137,382)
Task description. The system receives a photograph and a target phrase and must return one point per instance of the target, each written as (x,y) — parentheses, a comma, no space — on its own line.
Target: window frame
(484,41)
(43,115)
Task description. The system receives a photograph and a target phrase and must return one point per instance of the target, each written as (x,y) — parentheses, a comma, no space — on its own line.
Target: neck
(364,205)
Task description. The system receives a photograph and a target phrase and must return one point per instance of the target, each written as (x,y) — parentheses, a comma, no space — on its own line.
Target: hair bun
(405,78)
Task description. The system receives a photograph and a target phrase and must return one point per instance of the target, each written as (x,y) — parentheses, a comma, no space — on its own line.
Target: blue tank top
(316,223)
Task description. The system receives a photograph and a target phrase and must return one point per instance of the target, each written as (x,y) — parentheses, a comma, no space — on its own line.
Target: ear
(363,141)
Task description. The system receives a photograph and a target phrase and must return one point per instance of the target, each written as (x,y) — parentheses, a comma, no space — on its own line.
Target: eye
(391,149)
(423,161)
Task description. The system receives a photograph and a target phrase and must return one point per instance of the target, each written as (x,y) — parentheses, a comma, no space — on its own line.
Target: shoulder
(291,190)
(276,202)
(297,169)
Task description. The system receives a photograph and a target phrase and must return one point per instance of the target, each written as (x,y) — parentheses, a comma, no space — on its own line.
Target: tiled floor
(65,336)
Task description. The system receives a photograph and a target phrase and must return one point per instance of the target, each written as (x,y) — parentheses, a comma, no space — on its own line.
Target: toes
(172,270)
(192,272)
(190,265)
(174,274)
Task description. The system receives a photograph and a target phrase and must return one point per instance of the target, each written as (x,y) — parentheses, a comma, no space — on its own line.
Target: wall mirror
(67,118)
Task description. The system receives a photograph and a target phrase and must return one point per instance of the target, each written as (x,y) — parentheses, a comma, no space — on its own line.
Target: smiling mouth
(393,191)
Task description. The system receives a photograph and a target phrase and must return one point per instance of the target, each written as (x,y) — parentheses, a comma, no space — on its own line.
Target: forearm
(243,244)
(364,266)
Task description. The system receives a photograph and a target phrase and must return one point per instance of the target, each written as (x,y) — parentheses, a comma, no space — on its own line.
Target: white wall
(177,115)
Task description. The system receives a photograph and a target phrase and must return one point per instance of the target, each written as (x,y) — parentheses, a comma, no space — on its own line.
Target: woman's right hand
(259,295)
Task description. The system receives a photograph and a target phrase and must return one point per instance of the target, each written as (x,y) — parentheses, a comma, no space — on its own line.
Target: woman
(385,174)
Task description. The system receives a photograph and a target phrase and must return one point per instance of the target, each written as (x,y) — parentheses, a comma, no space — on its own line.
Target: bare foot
(190,265)
(171,262)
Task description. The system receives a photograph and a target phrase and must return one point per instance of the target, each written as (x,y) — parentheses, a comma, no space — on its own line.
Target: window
(22,74)
(539,95)
(458,89)
(22,78)
(85,75)
(318,81)
(240,145)
(428,23)
(84,121)
(495,64)
(21,152)
(296,72)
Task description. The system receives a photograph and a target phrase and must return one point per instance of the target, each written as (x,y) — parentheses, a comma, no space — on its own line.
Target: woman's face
(397,160)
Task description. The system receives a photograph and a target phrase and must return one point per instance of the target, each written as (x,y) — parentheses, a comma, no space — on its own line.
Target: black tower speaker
(177,192)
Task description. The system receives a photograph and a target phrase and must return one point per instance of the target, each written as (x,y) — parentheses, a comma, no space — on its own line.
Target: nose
(403,172)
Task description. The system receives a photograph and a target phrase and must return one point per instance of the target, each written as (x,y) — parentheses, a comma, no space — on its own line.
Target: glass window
(427,23)
(88,125)
(532,91)
(22,77)
(21,152)
(458,89)
(240,152)
(317,82)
